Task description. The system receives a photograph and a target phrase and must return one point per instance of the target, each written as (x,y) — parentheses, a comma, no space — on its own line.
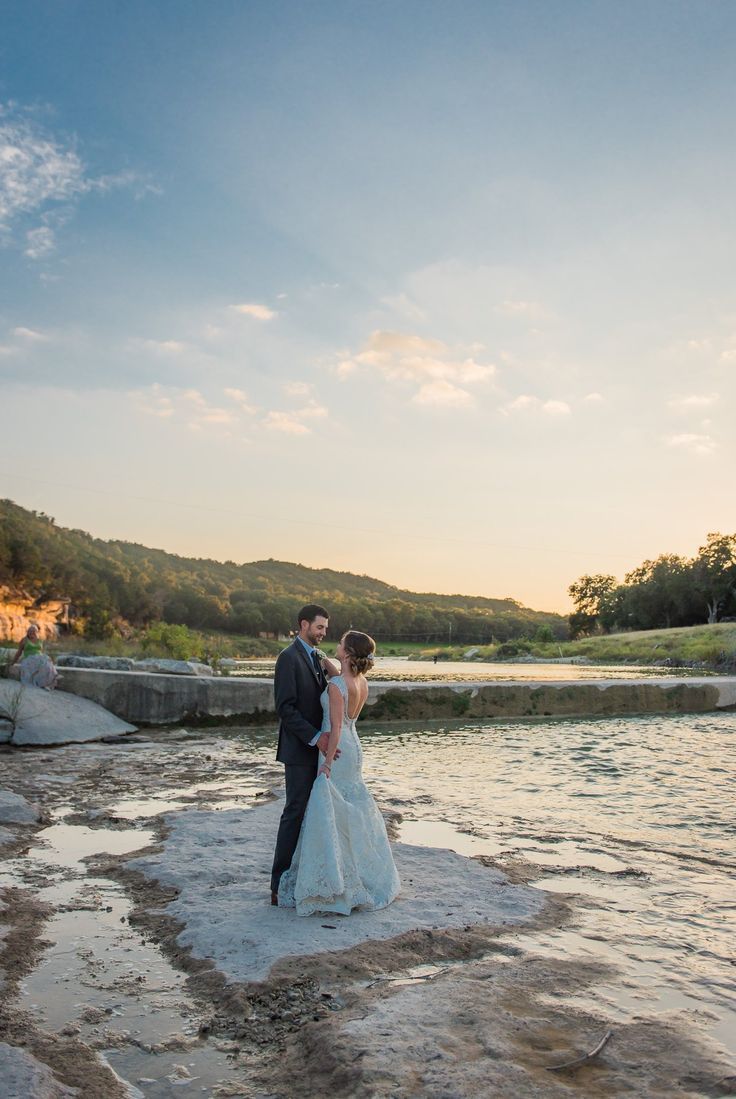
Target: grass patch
(712,646)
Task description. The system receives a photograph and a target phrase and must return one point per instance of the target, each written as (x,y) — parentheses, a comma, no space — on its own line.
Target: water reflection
(636,814)
(394,668)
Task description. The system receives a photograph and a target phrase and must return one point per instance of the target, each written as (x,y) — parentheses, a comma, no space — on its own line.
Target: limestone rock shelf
(167,699)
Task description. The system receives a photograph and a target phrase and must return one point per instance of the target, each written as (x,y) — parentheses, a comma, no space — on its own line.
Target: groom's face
(314,632)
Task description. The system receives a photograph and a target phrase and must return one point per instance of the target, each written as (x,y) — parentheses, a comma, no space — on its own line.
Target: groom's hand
(323,744)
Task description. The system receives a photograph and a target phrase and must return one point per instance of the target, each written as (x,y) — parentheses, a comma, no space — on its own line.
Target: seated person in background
(34,667)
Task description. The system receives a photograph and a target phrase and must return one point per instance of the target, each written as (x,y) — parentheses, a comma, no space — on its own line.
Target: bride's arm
(337,709)
(330,667)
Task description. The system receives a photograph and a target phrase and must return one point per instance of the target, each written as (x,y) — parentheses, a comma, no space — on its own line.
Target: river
(633,815)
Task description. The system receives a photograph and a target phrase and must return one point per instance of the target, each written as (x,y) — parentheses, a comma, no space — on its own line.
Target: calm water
(393,668)
(637,814)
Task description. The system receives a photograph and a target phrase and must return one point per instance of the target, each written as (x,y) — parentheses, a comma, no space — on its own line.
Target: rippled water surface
(637,814)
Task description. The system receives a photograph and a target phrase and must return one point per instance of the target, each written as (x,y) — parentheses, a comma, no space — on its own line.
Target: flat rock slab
(23,1077)
(221,862)
(14,809)
(54,717)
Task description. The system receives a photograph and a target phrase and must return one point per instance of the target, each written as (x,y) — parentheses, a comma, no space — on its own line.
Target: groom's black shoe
(274,898)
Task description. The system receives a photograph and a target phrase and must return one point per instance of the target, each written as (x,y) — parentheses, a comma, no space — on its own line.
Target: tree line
(666,592)
(115,585)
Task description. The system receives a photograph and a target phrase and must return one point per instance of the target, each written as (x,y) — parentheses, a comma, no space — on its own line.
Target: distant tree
(714,574)
(589,594)
(660,592)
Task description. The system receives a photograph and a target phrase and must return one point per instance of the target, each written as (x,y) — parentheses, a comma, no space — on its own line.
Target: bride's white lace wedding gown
(343,859)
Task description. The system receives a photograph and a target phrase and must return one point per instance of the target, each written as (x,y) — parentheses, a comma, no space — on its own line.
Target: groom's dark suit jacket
(297,689)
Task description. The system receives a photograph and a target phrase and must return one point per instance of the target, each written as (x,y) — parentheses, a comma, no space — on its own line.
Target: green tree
(714,574)
(589,594)
(660,592)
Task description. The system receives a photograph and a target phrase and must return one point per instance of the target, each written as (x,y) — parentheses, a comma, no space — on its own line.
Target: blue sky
(440,293)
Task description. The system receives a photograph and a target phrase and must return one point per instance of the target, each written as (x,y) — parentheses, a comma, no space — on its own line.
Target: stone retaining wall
(169,699)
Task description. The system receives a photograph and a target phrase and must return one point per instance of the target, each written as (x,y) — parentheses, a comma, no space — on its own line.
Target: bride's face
(340,650)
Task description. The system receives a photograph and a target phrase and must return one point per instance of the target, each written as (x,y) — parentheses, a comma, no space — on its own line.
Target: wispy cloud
(702,445)
(30,335)
(312,411)
(241,399)
(700,345)
(399,357)
(526,310)
(694,402)
(405,307)
(298,389)
(164,347)
(39,242)
(197,411)
(186,406)
(526,403)
(287,422)
(443,394)
(34,168)
(40,174)
(295,421)
(255,309)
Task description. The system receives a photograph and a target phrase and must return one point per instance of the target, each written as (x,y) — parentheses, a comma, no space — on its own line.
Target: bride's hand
(324,770)
(323,744)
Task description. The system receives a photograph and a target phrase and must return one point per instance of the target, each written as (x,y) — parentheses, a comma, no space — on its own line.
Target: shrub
(510,649)
(177,642)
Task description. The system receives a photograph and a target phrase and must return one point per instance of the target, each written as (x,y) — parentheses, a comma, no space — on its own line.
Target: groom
(298,684)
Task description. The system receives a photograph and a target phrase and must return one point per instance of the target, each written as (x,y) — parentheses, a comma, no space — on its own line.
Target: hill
(111,583)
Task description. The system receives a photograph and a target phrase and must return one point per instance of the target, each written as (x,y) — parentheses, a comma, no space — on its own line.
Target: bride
(343,859)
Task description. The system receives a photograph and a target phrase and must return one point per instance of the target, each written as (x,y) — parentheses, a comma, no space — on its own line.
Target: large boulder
(30,715)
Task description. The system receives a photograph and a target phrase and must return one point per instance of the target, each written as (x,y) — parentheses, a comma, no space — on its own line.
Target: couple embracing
(332,851)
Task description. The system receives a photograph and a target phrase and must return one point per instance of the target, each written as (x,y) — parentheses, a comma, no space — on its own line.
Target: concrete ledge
(168,699)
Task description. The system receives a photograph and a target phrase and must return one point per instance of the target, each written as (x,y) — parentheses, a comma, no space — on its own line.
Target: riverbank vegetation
(708,646)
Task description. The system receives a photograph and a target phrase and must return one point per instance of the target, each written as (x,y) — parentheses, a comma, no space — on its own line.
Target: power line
(321,524)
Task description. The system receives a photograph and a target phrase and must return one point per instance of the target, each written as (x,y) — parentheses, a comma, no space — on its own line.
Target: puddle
(137,808)
(227,793)
(102,981)
(437,833)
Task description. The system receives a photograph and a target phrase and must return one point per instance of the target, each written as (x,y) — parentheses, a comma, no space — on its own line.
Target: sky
(442,293)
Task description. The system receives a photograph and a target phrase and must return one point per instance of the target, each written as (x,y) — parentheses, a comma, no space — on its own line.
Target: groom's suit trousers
(299,781)
(297,691)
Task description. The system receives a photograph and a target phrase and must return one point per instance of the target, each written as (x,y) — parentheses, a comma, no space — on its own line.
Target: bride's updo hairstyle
(359,649)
